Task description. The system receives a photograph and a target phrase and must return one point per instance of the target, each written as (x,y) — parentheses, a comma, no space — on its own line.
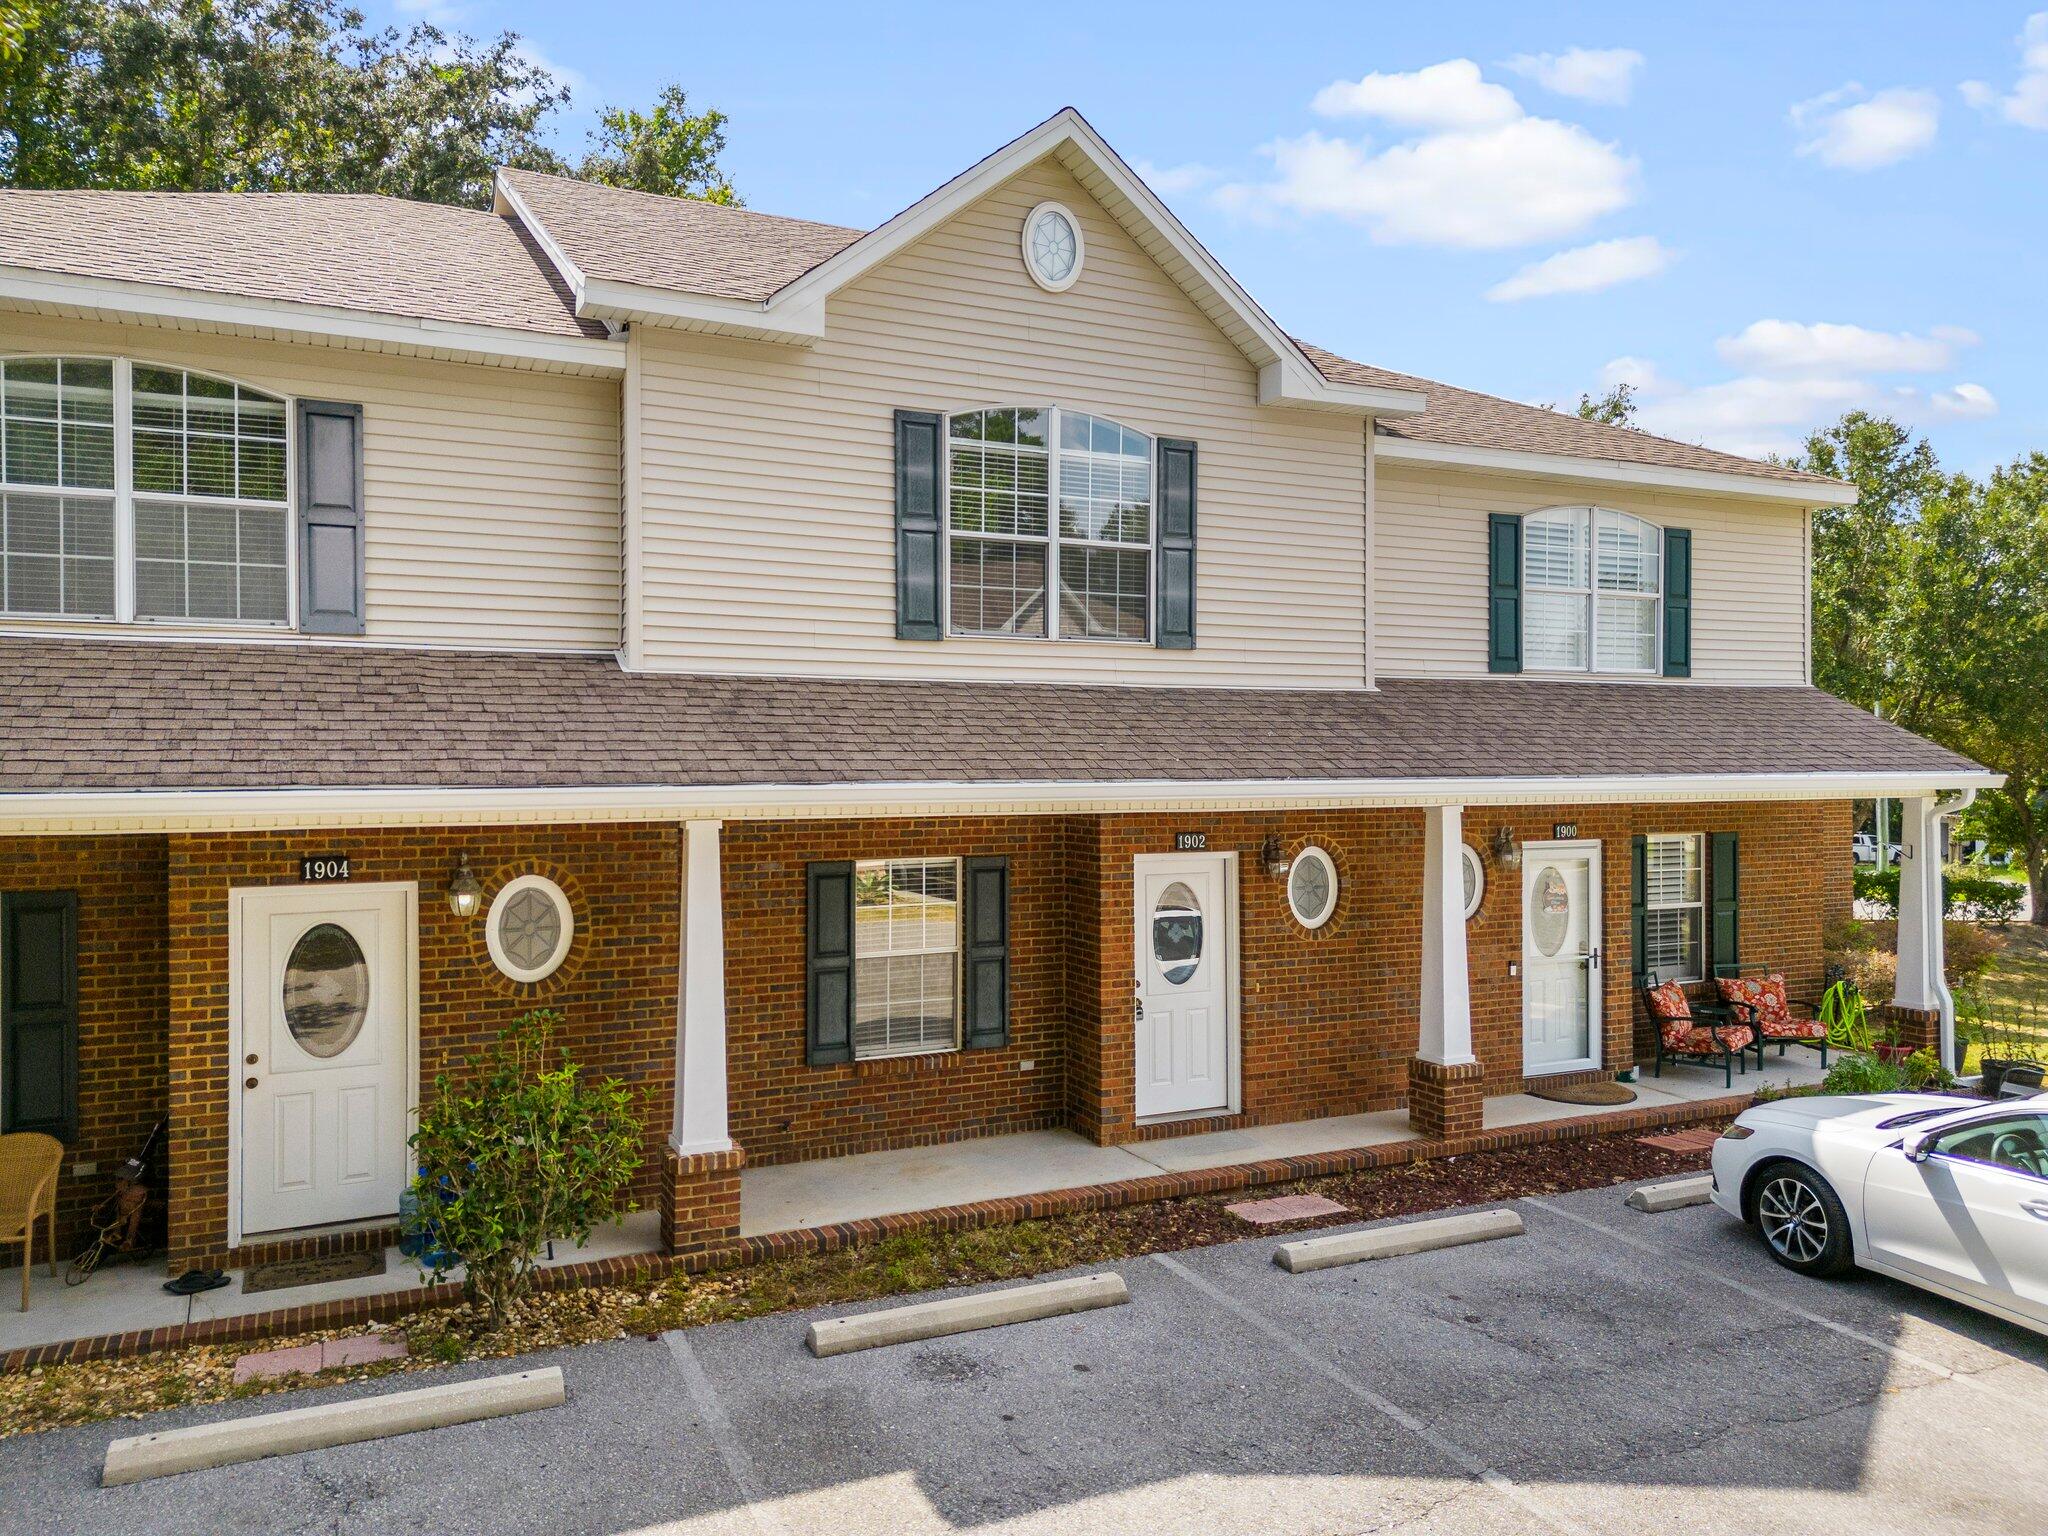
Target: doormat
(1701,1139)
(288,1274)
(1587,1093)
(1279,1208)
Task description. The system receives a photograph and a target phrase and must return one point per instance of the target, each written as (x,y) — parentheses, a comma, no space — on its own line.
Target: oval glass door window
(326,990)
(1551,917)
(1177,933)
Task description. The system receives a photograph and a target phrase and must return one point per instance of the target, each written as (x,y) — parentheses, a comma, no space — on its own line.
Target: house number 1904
(326,866)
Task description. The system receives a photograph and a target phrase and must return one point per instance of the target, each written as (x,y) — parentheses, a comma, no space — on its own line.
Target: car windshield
(1915,1117)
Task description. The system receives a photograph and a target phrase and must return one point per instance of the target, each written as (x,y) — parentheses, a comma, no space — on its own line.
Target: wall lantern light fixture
(1272,856)
(1507,853)
(465,891)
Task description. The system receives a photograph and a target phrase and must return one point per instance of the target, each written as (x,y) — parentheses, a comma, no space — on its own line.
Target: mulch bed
(87,1391)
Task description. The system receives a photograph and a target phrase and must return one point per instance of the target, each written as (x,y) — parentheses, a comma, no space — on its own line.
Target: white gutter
(187,307)
(232,809)
(1559,466)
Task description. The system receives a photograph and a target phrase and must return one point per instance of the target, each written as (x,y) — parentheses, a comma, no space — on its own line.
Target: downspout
(1944,805)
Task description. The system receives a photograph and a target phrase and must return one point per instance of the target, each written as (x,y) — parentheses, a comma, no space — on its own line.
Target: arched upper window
(134,491)
(1592,583)
(1006,470)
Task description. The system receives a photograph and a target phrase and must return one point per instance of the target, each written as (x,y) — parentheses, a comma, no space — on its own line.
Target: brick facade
(1327,1018)
(122,978)
(616,989)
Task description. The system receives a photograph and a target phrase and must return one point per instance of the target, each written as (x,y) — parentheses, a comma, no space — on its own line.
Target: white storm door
(324,1006)
(1560,957)
(1183,984)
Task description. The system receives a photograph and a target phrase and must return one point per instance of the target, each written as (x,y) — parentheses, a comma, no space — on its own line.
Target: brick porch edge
(632,1269)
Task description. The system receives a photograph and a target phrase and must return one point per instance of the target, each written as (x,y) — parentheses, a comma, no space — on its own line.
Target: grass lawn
(2016,990)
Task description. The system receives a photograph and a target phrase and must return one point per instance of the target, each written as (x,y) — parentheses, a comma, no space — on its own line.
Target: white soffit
(222,810)
(1556,466)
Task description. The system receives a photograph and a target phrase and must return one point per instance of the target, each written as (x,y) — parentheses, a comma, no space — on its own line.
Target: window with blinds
(131,491)
(906,957)
(57,487)
(1006,470)
(1592,583)
(1674,908)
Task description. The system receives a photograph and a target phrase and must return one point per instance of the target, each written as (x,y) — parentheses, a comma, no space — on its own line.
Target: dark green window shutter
(920,438)
(1678,602)
(1638,922)
(39,1012)
(985,887)
(1176,521)
(1504,593)
(330,518)
(1726,881)
(828,964)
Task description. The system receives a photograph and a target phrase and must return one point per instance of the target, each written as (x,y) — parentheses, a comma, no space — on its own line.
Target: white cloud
(1442,96)
(1797,377)
(2027,104)
(1964,400)
(1855,131)
(1476,172)
(564,75)
(1787,347)
(1169,179)
(1586,270)
(1605,75)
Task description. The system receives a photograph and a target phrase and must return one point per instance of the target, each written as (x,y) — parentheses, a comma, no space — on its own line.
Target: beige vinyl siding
(768,499)
(1429,585)
(491,495)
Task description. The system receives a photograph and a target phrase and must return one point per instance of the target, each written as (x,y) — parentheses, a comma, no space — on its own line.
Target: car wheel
(1802,1220)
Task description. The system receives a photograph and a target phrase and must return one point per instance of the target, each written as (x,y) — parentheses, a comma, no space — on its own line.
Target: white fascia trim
(1805,493)
(201,810)
(1296,380)
(607,299)
(506,199)
(154,301)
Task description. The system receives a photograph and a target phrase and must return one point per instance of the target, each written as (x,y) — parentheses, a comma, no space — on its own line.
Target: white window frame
(1313,854)
(528,975)
(1469,858)
(124,495)
(1052,541)
(1697,856)
(1080,247)
(1589,592)
(958,952)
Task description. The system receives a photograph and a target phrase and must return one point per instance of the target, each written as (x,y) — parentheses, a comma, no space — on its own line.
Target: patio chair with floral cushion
(29,1162)
(1755,995)
(1695,1031)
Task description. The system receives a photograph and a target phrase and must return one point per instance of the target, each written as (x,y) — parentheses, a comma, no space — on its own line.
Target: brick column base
(1915,1028)
(700,1199)
(1445,1101)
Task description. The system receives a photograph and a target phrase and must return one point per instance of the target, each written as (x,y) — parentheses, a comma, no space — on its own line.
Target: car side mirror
(1916,1146)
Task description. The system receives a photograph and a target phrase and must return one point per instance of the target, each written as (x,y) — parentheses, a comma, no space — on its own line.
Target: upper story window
(132,491)
(1593,582)
(1007,470)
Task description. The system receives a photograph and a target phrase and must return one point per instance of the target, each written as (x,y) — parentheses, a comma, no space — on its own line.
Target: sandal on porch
(193,1281)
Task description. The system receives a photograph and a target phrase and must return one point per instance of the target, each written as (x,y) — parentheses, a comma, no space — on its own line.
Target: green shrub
(1858,1073)
(519,1151)
(1980,898)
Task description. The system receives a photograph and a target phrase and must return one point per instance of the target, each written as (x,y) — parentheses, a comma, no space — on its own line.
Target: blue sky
(1761,214)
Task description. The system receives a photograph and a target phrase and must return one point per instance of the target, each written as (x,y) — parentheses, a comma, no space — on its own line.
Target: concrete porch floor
(786,1196)
(129,1297)
(123,1298)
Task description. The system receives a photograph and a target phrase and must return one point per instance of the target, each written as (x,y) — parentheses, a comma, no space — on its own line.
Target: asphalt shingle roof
(79,715)
(675,242)
(378,255)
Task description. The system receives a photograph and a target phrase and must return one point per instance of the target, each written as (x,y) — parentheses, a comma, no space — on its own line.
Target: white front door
(323,1030)
(1183,983)
(1560,957)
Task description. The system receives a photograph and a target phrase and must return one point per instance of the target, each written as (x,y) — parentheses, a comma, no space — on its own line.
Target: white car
(1945,1193)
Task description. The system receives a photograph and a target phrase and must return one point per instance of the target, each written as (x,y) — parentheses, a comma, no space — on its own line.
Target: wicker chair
(28,1188)
(1695,1031)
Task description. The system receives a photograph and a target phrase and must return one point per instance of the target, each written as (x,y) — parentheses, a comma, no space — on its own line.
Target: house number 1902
(1190,842)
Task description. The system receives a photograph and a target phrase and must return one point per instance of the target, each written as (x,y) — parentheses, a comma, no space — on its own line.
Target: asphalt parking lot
(1606,1372)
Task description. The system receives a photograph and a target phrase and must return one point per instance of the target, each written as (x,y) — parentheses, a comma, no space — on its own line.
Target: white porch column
(1922,983)
(1446,1035)
(700,1122)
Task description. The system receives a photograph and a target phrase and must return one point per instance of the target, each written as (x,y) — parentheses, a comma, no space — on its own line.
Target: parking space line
(1499,1482)
(739,1466)
(1917,1361)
